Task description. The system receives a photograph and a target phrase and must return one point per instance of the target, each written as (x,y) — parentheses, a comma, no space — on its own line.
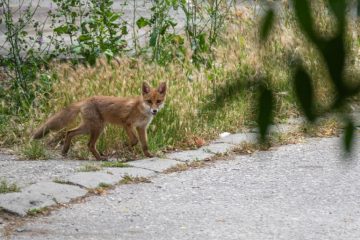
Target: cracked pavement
(302,191)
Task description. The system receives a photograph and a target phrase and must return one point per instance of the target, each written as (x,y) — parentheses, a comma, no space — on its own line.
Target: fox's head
(154,97)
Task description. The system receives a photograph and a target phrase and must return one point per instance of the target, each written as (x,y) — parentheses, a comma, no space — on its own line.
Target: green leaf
(109,53)
(334,54)
(177,39)
(84,38)
(114,17)
(153,37)
(203,46)
(303,14)
(349,135)
(142,22)
(266,25)
(124,30)
(304,92)
(339,9)
(265,111)
(61,30)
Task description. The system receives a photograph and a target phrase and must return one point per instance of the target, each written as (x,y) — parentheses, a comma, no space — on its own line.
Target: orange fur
(129,112)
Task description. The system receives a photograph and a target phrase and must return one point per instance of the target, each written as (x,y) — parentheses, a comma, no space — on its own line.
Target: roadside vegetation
(6,187)
(214,66)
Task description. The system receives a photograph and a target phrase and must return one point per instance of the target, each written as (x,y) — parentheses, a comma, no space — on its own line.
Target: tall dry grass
(192,112)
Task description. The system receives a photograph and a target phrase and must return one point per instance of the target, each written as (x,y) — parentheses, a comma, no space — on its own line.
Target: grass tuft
(89,168)
(186,166)
(6,187)
(38,211)
(34,150)
(116,164)
(131,180)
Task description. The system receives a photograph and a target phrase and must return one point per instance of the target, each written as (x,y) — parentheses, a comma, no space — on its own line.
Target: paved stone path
(47,181)
(22,202)
(303,191)
(50,182)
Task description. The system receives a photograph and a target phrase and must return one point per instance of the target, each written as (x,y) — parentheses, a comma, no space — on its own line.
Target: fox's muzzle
(154,111)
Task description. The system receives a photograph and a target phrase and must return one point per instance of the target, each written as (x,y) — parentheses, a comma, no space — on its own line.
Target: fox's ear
(145,88)
(162,88)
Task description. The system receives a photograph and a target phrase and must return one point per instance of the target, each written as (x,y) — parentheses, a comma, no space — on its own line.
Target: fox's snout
(154,111)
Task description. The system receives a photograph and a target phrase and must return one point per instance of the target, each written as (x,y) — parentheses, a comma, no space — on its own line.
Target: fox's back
(112,109)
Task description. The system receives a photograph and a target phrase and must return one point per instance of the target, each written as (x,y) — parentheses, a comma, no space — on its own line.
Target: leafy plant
(166,45)
(100,30)
(204,21)
(23,56)
(333,52)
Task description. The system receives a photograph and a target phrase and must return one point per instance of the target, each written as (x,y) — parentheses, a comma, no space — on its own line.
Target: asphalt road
(303,191)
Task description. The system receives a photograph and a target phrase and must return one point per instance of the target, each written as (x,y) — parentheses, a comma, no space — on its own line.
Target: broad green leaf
(108,54)
(303,14)
(339,9)
(333,51)
(265,111)
(304,92)
(61,29)
(349,135)
(84,37)
(124,30)
(266,25)
(142,22)
(153,37)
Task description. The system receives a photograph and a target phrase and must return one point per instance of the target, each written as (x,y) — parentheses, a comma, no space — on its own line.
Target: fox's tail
(58,121)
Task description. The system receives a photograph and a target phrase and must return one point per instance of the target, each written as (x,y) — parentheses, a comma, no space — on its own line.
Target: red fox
(129,112)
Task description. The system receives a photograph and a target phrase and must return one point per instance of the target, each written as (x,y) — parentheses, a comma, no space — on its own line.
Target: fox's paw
(102,158)
(149,155)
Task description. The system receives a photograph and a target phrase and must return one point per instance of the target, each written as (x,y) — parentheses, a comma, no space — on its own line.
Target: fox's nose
(154,111)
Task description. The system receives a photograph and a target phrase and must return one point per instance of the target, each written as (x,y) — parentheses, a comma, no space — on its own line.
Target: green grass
(198,103)
(6,187)
(130,180)
(114,164)
(104,185)
(89,168)
(34,150)
(60,181)
(37,211)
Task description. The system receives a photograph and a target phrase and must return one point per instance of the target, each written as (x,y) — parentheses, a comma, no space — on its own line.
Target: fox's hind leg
(94,135)
(82,129)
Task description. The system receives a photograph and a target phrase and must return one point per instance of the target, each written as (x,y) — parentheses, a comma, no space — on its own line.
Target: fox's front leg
(143,140)
(131,135)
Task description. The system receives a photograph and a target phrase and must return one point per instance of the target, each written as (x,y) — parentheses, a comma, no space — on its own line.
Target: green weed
(6,187)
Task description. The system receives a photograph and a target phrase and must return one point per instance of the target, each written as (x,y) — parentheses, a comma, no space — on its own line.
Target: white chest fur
(144,122)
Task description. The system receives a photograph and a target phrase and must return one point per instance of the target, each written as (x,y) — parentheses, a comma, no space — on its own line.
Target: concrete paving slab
(60,193)
(218,148)
(39,195)
(297,191)
(129,171)
(238,138)
(190,155)
(155,164)
(91,179)
(21,202)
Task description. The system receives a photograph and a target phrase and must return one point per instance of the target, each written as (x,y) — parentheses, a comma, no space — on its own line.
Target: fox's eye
(149,101)
(158,101)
